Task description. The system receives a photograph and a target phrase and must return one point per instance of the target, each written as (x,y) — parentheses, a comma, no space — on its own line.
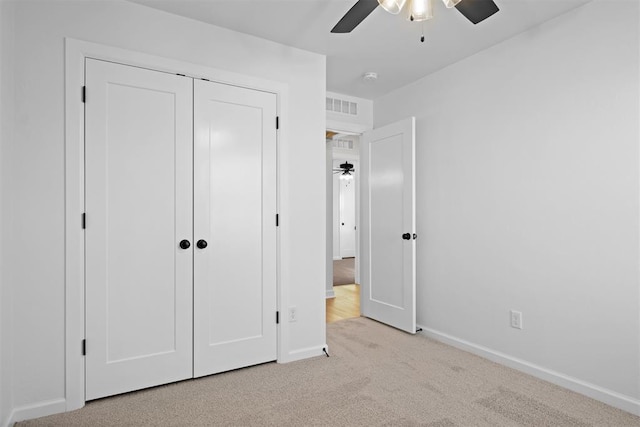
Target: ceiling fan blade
(477,10)
(355,16)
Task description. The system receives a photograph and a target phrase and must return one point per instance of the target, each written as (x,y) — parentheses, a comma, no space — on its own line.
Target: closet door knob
(185,244)
(406,236)
(201,244)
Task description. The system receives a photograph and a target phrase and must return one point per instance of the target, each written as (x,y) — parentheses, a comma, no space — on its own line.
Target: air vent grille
(341,106)
(345,144)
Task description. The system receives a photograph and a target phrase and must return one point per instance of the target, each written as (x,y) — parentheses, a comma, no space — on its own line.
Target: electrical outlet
(293,314)
(516,319)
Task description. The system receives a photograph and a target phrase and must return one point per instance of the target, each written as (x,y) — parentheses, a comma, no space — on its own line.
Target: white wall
(35,166)
(4,23)
(330,219)
(6,121)
(528,199)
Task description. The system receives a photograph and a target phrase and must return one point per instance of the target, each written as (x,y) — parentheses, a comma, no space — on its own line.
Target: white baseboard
(337,258)
(37,410)
(620,401)
(331,293)
(304,353)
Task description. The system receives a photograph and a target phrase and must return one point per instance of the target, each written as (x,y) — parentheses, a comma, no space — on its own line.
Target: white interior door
(347,218)
(139,207)
(235,213)
(388,292)
(335,211)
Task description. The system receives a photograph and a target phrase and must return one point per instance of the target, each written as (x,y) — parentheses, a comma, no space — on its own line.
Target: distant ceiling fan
(345,170)
(419,10)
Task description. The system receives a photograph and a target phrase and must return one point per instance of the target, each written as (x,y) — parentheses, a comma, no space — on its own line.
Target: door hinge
(277,122)
(277,220)
(84,347)
(84,94)
(277,317)
(84,221)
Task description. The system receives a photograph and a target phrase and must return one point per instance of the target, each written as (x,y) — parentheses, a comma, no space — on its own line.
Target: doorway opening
(343,291)
(384,175)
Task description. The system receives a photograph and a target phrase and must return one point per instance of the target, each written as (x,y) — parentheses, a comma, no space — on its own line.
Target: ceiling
(383,43)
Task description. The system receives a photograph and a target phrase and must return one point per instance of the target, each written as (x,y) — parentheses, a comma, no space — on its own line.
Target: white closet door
(138,207)
(235,208)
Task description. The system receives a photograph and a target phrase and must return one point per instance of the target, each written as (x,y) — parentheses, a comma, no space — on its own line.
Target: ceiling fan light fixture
(392,6)
(450,3)
(420,10)
(474,10)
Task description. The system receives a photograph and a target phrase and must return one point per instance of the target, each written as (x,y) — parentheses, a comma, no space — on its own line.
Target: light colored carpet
(376,375)
(344,271)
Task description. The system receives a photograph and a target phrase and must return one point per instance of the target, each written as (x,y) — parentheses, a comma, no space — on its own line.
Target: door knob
(406,236)
(185,244)
(201,244)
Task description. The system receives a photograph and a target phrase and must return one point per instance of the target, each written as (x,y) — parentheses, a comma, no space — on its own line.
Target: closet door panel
(235,207)
(139,207)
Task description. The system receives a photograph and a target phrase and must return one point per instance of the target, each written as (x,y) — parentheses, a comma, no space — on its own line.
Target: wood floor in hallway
(345,305)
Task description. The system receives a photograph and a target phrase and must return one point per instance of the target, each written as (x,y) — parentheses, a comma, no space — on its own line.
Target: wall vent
(345,144)
(341,106)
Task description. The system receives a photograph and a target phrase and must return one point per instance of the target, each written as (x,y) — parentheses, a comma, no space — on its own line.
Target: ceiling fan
(419,10)
(345,170)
